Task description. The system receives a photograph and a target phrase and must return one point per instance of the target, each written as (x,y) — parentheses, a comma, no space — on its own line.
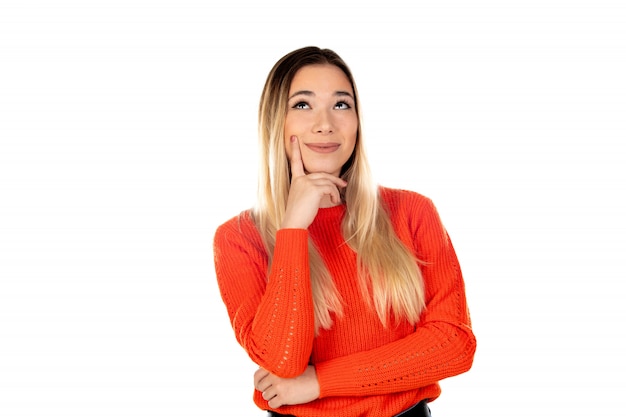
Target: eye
(301,105)
(342,105)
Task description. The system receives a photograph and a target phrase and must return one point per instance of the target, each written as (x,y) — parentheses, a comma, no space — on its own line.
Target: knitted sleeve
(270,312)
(443,343)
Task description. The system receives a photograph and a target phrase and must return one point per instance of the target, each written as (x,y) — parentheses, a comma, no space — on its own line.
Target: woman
(348,295)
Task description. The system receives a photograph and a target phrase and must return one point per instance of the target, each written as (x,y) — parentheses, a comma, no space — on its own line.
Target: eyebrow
(311,93)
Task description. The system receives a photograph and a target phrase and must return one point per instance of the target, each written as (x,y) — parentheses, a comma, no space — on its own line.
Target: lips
(323,147)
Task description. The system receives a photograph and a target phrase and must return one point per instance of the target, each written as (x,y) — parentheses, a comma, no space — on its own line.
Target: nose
(323,123)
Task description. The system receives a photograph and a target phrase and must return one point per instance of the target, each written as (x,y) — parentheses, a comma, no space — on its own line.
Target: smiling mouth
(323,147)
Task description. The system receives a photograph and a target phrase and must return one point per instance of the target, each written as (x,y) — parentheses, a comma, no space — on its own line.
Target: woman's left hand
(279,391)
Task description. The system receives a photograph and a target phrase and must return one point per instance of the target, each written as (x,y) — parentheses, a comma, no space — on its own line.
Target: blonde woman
(348,295)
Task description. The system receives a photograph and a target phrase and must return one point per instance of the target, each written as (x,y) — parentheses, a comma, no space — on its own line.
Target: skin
(320,136)
(287,391)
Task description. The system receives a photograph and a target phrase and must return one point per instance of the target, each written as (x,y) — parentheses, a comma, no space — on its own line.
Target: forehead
(320,77)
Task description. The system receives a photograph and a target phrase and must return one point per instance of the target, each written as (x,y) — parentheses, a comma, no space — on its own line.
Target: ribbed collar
(330,213)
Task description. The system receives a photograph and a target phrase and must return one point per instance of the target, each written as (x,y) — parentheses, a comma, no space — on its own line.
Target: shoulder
(238,228)
(236,222)
(409,211)
(400,199)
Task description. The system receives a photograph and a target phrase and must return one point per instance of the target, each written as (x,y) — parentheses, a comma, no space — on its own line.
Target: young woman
(348,295)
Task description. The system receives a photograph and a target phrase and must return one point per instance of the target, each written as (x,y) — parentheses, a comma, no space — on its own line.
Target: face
(321,113)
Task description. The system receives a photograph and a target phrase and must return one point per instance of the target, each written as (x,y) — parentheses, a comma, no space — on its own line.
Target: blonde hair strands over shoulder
(389,276)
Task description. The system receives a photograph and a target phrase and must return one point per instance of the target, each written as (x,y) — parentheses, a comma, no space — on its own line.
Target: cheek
(287,133)
(287,147)
(350,130)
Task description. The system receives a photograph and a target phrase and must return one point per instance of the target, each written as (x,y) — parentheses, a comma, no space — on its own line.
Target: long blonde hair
(389,276)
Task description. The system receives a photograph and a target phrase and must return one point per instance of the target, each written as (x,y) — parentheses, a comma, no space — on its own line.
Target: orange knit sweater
(363,367)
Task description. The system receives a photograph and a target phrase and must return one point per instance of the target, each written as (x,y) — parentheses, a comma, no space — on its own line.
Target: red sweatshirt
(363,367)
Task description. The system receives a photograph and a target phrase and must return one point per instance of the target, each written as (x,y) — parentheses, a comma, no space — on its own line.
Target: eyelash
(346,104)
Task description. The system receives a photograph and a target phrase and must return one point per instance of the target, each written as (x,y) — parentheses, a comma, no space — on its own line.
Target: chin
(317,168)
(322,167)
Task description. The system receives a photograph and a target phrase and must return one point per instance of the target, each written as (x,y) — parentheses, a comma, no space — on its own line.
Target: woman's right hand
(279,391)
(308,192)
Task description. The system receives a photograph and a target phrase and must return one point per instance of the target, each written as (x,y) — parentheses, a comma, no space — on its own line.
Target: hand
(307,191)
(279,391)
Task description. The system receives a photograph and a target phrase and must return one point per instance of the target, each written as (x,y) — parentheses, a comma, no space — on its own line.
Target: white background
(128,133)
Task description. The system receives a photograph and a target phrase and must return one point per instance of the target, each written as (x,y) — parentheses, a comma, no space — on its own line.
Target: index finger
(297,167)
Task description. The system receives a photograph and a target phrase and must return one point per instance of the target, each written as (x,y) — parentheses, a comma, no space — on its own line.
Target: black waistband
(418,410)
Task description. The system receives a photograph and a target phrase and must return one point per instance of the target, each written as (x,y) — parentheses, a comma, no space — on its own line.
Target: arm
(443,343)
(273,317)
(271,314)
